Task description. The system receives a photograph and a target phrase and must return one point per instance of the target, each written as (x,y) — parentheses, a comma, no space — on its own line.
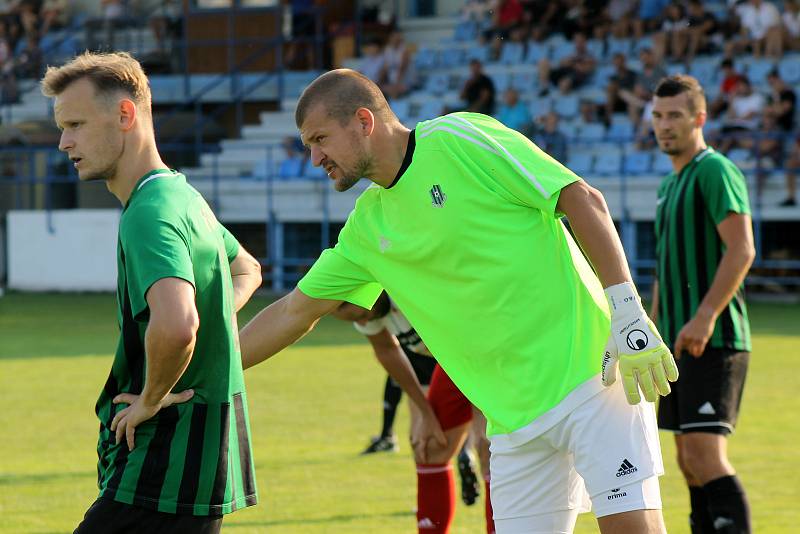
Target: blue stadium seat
(539,106)
(430,110)
(621,129)
(314,172)
(512,53)
(536,52)
(426,58)
(466,30)
(291,168)
(524,82)
(479,52)
(789,69)
(602,74)
(592,132)
(597,48)
(580,162)
(706,72)
(437,83)
(452,57)
(501,79)
(637,162)
(566,106)
(757,70)
(640,44)
(401,108)
(742,158)
(561,50)
(661,163)
(623,46)
(608,163)
(568,128)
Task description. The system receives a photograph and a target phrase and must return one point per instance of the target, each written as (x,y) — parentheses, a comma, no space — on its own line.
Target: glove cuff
(623,298)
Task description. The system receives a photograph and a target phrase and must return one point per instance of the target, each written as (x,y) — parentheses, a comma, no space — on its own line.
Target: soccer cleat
(470,489)
(382,444)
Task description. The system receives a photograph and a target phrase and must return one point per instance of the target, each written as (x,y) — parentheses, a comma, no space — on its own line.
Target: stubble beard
(362,169)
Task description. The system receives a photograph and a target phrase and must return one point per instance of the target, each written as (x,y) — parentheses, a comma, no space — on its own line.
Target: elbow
(183,333)
(749,254)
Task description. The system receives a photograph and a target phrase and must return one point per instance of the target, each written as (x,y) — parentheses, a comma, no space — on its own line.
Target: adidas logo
(616,494)
(706,409)
(426,523)
(626,468)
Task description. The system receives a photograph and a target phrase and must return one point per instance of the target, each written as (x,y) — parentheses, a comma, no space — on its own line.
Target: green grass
(313,408)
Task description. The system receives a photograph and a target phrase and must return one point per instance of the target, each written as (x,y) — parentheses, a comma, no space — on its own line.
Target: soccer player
(704,247)
(463,229)
(167,462)
(388,330)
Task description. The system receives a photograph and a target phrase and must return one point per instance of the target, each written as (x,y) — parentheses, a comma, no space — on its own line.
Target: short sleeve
(155,246)
(521,170)
(370,328)
(230,242)
(724,189)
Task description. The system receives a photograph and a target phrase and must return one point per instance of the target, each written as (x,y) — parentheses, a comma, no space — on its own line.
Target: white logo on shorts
(706,409)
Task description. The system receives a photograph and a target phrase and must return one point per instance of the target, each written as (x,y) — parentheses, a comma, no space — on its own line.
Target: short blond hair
(110,73)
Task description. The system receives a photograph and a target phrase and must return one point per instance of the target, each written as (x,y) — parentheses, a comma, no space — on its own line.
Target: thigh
(710,391)
(423,366)
(451,407)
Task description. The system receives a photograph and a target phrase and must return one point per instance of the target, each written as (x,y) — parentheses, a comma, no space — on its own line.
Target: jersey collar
(412,143)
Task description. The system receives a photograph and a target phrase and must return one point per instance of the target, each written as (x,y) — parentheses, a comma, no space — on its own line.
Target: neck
(679,161)
(391,143)
(133,165)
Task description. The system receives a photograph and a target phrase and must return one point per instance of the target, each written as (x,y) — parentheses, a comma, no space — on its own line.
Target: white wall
(78,252)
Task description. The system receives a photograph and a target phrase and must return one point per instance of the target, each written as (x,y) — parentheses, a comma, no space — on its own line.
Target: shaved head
(341,92)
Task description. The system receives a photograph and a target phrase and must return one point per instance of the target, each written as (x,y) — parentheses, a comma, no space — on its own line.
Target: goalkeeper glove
(636,347)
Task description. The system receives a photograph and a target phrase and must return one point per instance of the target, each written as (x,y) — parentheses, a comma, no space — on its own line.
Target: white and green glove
(644,360)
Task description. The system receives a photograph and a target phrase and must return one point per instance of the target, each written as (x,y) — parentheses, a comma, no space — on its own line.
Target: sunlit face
(90,133)
(674,124)
(340,150)
(351,312)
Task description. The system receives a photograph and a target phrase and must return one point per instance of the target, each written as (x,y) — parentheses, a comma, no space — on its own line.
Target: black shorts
(107,516)
(423,366)
(707,395)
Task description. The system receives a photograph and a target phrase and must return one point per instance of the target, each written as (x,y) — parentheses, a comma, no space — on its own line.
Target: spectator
(29,63)
(617,19)
(778,122)
(623,79)
(550,138)
(296,157)
(670,41)
(649,16)
(730,78)
(514,113)
(745,111)
(637,99)
(372,61)
(507,16)
(760,30)
(791,24)
(702,26)
(652,72)
(572,72)
(478,92)
(54,15)
(645,137)
(792,166)
(399,74)
(590,112)
(167,23)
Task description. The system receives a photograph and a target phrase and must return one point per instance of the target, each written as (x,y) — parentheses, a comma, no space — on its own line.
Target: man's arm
(280,324)
(169,343)
(736,231)
(654,302)
(388,352)
(246,275)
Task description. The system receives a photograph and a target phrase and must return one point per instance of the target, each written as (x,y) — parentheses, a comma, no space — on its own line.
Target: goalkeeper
(463,228)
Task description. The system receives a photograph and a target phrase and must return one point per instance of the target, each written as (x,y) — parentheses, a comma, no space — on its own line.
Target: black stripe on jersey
(156,461)
(221,477)
(120,461)
(680,284)
(134,349)
(244,447)
(700,243)
(190,480)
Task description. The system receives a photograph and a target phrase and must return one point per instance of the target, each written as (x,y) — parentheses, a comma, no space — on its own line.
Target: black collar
(406,159)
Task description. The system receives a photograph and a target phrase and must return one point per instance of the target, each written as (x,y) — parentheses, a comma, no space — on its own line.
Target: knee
(436,454)
(698,459)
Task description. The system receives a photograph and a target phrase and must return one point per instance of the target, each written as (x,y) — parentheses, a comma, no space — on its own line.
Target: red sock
(489,513)
(436,498)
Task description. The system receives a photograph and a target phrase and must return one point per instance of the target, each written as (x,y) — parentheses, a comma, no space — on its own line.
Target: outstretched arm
(280,324)
(246,275)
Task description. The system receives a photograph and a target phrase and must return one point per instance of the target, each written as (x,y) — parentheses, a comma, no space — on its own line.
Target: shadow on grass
(343,518)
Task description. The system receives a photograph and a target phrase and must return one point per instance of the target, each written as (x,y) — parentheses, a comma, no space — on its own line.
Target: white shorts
(605,454)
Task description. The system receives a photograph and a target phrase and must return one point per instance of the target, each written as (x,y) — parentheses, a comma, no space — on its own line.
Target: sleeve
(231,244)
(370,328)
(724,190)
(337,275)
(155,246)
(522,172)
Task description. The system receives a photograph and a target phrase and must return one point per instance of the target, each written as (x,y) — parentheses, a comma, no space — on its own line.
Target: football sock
(489,514)
(436,498)
(728,504)
(391,398)
(700,518)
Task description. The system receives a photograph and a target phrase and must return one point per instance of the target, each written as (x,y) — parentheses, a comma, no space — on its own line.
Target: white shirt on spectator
(758,20)
(743,106)
(792,23)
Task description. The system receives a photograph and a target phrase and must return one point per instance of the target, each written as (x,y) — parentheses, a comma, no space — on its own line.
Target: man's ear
(366,120)
(700,119)
(127,114)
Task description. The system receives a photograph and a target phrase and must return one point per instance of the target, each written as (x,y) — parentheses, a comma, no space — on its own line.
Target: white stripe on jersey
(159,175)
(438,128)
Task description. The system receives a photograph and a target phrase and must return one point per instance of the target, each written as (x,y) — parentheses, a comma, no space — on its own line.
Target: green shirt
(191,458)
(468,243)
(691,204)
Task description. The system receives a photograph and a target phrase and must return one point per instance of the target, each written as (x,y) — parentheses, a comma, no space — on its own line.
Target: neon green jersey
(468,243)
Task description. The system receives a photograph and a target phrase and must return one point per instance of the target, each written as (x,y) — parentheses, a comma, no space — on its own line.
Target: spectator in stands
(572,72)
(54,15)
(296,158)
(637,99)
(399,74)
(372,61)
(778,122)
(590,112)
(760,30)
(730,78)
(649,16)
(792,166)
(580,16)
(623,79)
(507,16)
(702,26)
(30,62)
(167,23)
(514,113)
(791,24)
(478,92)
(550,138)
(743,116)
(645,136)
(652,72)
(670,42)
(28,13)
(617,19)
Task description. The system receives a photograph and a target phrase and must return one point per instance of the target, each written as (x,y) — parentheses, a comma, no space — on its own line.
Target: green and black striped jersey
(191,458)
(690,205)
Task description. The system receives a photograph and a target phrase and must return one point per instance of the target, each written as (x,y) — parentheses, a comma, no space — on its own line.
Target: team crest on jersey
(437,196)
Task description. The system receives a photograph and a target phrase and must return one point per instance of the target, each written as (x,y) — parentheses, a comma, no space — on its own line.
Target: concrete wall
(74,251)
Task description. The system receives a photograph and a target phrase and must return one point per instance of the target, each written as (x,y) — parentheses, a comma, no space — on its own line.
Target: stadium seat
(466,30)
(568,128)
(425,58)
(566,106)
(437,83)
(536,52)
(621,129)
(290,168)
(539,106)
(742,158)
(662,165)
(597,48)
(640,44)
(452,57)
(608,163)
(757,70)
(401,108)
(512,53)
(561,50)
(430,110)
(706,72)
(602,74)
(580,162)
(524,82)
(592,132)
(479,52)
(622,46)
(789,69)
(501,79)
(637,162)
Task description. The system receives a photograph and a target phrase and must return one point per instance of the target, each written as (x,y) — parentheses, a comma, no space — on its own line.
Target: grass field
(312,409)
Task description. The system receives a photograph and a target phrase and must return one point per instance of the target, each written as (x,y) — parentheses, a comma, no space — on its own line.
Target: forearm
(168,356)
(654,303)
(397,365)
(731,272)
(594,230)
(244,285)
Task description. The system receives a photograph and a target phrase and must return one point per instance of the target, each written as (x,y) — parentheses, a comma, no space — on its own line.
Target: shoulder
(716,164)
(471,130)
